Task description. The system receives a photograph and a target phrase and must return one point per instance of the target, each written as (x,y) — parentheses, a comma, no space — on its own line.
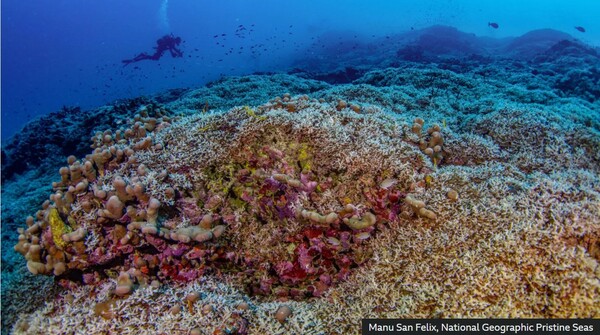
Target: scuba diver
(167,42)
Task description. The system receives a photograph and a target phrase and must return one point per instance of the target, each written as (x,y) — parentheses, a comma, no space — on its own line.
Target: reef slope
(513,190)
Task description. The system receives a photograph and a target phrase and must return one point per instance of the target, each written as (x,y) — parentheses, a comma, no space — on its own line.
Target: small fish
(387,183)
(493,25)
(362,236)
(333,241)
(581,29)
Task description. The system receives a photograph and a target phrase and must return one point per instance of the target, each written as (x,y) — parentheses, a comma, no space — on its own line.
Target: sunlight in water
(162,16)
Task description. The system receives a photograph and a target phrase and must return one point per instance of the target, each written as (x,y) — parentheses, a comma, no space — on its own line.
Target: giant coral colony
(283,208)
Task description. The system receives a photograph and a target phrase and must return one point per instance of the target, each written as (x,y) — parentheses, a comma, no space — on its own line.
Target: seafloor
(434,179)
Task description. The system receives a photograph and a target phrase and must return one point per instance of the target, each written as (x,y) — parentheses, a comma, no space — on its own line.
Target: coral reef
(60,134)
(462,189)
(204,307)
(289,206)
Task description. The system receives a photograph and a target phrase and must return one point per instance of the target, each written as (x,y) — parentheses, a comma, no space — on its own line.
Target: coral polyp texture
(280,198)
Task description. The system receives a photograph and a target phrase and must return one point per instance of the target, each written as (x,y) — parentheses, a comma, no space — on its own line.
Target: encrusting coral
(57,228)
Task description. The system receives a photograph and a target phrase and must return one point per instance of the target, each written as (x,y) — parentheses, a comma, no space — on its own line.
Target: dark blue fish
(493,25)
(581,29)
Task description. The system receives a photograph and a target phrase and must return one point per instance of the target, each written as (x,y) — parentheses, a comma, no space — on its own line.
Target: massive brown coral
(265,199)
(280,197)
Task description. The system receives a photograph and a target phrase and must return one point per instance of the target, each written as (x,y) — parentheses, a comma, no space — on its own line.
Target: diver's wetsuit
(167,42)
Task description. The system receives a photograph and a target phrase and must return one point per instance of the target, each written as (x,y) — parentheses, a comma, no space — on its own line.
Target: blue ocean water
(69,52)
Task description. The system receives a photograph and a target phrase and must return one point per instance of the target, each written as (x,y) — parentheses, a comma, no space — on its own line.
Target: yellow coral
(304,157)
(429,179)
(58,228)
(250,112)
